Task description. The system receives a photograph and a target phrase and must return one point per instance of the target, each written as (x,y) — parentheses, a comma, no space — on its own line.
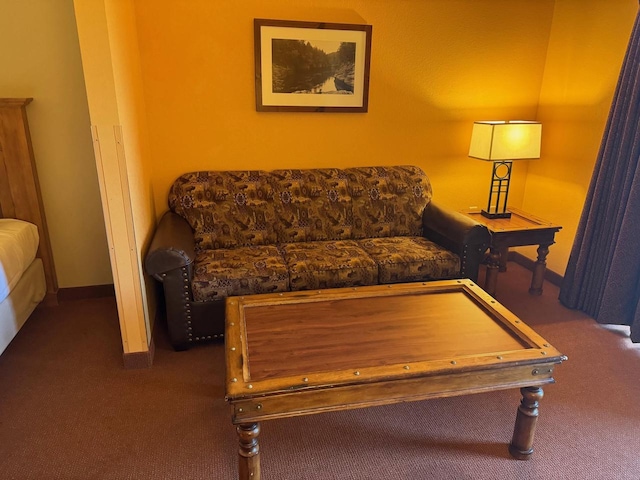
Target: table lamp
(501,142)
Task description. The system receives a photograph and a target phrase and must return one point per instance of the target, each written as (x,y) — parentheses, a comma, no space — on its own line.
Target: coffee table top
(323,339)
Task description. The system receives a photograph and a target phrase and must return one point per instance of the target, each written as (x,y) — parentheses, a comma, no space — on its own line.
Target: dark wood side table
(519,230)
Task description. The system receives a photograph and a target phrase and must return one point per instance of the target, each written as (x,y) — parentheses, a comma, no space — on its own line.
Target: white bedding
(21,302)
(18,247)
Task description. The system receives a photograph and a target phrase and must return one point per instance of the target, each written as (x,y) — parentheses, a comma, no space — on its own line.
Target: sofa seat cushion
(223,272)
(410,259)
(328,264)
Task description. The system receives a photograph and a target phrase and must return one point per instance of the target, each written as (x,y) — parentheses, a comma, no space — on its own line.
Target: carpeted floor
(68,410)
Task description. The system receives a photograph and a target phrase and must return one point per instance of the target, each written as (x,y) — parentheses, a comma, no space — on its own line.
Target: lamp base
(496,215)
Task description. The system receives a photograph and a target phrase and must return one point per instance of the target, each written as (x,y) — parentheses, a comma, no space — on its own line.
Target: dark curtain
(603,274)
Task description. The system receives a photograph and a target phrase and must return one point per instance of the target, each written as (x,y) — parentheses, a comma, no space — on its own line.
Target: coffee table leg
(521,446)
(538,270)
(249,453)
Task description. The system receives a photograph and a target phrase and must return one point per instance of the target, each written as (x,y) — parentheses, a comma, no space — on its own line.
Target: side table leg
(249,453)
(491,278)
(504,257)
(521,446)
(538,270)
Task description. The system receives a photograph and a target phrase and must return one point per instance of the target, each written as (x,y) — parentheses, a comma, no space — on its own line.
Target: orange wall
(436,66)
(586,48)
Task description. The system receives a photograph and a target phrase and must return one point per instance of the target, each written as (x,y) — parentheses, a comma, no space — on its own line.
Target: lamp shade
(505,140)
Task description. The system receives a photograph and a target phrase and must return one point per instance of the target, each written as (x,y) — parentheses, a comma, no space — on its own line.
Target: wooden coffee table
(301,353)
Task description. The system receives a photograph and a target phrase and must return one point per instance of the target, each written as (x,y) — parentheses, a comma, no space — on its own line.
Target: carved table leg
(249,458)
(539,269)
(491,278)
(521,446)
(504,257)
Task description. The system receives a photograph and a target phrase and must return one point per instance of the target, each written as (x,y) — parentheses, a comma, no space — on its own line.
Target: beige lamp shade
(505,140)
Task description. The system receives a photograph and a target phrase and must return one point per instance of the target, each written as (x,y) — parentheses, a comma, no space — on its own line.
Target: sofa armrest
(169,260)
(458,233)
(172,246)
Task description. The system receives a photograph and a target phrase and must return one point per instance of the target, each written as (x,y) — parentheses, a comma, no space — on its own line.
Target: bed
(27,273)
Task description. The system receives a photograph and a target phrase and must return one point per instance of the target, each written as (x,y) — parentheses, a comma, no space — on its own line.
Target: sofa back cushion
(311,205)
(388,201)
(225,209)
(228,209)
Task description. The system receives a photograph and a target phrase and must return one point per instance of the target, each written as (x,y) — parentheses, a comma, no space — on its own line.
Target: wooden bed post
(20,195)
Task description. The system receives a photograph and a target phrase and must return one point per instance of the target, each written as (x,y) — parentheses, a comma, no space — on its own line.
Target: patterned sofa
(247,232)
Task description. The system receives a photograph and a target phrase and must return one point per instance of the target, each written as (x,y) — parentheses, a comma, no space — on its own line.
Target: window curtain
(603,273)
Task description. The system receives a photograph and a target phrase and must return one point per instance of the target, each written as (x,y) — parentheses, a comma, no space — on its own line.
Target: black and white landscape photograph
(307,66)
(322,67)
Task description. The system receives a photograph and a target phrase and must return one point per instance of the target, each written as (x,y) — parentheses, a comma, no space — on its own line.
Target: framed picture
(311,67)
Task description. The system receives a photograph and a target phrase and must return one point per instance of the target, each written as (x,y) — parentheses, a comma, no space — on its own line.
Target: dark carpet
(68,410)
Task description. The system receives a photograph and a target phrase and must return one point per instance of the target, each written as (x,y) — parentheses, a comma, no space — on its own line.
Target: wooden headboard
(19,188)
